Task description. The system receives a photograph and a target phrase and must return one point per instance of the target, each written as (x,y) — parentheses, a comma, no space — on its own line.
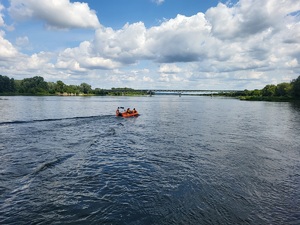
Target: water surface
(187,160)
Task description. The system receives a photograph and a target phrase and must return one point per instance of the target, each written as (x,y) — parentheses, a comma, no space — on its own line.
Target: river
(184,160)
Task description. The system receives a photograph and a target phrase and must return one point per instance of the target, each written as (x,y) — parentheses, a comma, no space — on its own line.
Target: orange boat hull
(125,114)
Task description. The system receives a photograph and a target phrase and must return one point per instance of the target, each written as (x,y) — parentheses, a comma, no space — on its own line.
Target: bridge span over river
(186,92)
(171,91)
(183,90)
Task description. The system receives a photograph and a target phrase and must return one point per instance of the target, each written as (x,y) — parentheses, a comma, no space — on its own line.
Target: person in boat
(128,110)
(118,112)
(134,111)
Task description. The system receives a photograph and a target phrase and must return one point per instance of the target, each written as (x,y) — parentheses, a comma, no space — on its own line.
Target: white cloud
(292,63)
(98,63)
(254,41)
(37,62)
(71,65)
(7,50)
(147,79)
(82,58)
(182,39)
(58,14)
(22,41)
(125,45)
(249,17)
(158,2)
(169,68)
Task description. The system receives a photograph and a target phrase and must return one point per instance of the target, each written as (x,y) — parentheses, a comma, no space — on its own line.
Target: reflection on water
(188,160)
(295,105)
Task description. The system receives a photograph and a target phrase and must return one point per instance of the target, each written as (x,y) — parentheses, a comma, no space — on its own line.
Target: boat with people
(126,113)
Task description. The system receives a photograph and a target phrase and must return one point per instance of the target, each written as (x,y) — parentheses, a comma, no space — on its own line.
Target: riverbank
(268,98)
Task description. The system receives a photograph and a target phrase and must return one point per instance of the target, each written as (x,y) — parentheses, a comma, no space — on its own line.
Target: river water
(184,160)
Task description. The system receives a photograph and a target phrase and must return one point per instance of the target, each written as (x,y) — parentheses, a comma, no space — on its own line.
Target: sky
(152,44)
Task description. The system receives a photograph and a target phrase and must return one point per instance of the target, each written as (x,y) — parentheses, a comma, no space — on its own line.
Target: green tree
(256,92)
(283,89)
(35,85)
(73,89)
(85,88)
(296,88)
(247,92)
(18,85)
(7,85)
(269,90)
(52,87)
(60,86)
(99,91)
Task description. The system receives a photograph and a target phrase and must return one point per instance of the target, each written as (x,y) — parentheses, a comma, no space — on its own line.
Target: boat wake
(53,120)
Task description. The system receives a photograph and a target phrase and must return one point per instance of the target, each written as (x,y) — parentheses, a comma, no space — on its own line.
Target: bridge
(171,91)
(183,90)
(186,92)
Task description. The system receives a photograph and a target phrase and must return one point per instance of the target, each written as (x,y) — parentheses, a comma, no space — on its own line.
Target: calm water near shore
(184,160)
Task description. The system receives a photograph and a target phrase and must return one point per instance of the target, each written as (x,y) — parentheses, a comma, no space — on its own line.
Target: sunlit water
(184,160)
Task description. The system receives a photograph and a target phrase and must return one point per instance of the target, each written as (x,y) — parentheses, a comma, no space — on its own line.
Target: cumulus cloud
(82,58)
(249,17)
(181,39)
(7,50)
(158,2)
(169,68)
(60,14)
(252,40)
(125,45)
(36,62)
(223,42)
(198,38)
(22,41)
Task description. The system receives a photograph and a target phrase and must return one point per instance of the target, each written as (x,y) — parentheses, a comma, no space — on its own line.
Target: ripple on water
(107,170)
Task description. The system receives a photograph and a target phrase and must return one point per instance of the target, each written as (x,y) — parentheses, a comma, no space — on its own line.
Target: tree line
(282,91)
(38,86)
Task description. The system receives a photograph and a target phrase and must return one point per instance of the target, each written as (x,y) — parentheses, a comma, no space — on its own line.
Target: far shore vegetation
(38,86)
(280,92)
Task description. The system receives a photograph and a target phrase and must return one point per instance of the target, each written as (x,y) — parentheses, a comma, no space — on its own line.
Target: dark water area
(187,160)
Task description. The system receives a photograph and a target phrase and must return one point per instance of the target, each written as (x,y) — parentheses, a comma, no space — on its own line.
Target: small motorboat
(126,113)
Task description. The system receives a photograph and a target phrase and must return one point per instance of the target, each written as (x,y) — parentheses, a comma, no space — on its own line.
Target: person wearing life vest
(134,111)
(118,112)
(128,110)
